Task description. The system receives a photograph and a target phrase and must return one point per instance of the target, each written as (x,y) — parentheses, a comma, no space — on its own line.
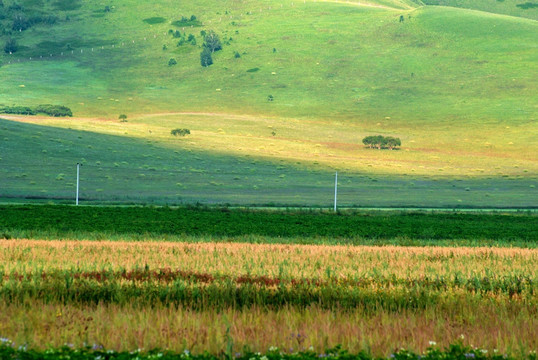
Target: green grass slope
(38,163)
(457,85)
(323,60)
(521,8)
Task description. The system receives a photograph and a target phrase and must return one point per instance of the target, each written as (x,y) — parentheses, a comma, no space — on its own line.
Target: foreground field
(204,296)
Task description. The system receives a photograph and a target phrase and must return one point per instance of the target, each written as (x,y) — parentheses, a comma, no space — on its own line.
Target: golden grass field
(494,150)
(493,322)
(297,261)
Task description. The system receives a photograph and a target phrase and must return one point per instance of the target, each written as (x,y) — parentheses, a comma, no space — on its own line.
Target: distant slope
(39,163)
(458,86)
(521,8)
(323,60)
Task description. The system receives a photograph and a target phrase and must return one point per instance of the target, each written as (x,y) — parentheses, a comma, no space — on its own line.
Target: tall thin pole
(335,189)
(78,178)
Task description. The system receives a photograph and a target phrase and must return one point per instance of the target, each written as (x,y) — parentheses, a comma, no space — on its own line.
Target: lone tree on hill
(123,118)
(381,142)
(205,57)
(212,41)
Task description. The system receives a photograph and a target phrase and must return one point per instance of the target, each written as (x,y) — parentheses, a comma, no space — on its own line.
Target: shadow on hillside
(38,163)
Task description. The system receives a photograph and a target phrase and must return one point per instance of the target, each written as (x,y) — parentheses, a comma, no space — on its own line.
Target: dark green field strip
(9,350)
(58,219)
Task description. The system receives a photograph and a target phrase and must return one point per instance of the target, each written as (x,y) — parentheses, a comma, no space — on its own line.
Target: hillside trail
(362,4)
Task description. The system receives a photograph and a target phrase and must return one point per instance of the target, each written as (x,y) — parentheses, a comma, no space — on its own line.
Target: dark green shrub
(54,110)
(180,132)
(172,62)
(20,23)
(123,118)
(212,41)
(381,142)
(11,46)
(237,55)
(17,110)
(205,57)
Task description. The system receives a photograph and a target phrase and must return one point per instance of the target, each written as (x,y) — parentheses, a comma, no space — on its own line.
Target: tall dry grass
(127,328)
(298,261)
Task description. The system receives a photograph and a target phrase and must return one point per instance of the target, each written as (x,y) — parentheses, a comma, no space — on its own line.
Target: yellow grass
(127,328)
(308,261)
(492,150)
(492,321)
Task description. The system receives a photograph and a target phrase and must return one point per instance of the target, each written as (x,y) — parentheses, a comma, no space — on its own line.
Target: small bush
(212,41)
(122,118)
(180,132)
(20,23)
(237,55)
(172,62)
(205,57)
(11,46)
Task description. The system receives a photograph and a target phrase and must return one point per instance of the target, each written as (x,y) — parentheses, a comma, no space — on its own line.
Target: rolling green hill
(296,81)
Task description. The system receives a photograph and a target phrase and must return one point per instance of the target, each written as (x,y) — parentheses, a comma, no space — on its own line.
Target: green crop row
(343,227)
(513,285)
(96,352)
(226,293)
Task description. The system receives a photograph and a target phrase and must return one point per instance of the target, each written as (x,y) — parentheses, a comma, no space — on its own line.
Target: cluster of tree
(184,39)
(54,110)
(47,109)
(185,21)
(211,44)
(381,142)
(21,22)
(180,132)
(14,18)
(17,110)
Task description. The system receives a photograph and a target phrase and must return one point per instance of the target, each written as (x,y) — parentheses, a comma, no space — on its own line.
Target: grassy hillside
(522,8)
(456,85)
(336,61)
(38,163)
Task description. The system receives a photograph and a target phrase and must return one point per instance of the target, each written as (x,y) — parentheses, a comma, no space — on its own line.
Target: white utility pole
(335,189)
(78,178)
